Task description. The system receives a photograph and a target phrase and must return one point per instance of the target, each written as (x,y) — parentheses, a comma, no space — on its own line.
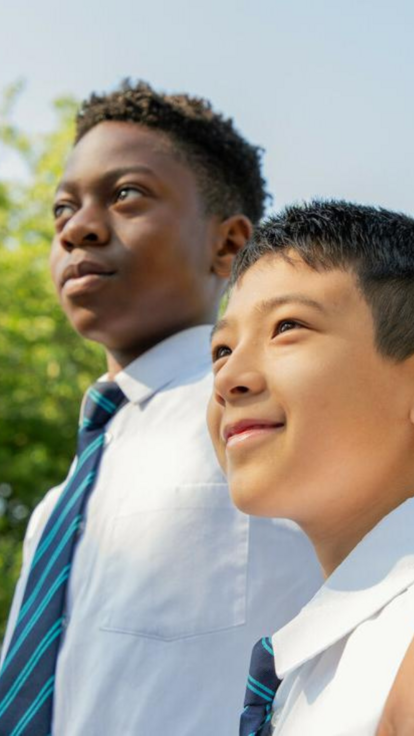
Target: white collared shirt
(169,589)
(340,655)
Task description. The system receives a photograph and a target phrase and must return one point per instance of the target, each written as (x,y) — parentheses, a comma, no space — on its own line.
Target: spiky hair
(377,245)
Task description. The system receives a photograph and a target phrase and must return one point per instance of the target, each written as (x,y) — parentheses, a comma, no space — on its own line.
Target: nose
(238,378)
(86,226)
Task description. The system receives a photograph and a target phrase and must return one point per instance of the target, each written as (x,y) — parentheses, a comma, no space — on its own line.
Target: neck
(335,542)
(117,360)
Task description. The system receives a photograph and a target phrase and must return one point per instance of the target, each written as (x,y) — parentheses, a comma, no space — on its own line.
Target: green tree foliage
(44,366)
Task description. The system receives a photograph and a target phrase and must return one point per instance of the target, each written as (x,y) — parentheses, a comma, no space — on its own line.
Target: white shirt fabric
(169,584)
(340,655)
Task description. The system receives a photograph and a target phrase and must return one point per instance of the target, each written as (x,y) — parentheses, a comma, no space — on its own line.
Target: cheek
(303,386)
(319,382)
(336,419)
(322,403)
(213,424)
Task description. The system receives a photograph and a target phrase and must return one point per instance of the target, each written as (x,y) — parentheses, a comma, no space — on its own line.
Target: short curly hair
(227,167)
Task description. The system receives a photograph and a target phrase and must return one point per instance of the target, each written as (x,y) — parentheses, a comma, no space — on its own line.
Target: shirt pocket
(178,568)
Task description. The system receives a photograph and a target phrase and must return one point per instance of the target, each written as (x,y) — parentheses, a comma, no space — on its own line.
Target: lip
(249,428)
(84,276)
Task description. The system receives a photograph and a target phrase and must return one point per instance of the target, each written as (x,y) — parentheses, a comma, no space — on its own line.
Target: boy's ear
(232,236)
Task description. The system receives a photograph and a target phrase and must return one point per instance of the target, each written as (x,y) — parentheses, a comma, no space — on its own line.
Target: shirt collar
(379,568)
(178,355)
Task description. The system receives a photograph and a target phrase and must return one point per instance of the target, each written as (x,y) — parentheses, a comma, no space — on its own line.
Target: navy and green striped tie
(262,684)
(28,674)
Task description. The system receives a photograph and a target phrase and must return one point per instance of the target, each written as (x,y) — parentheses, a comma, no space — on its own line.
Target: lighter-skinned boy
(154,579)
(312,419)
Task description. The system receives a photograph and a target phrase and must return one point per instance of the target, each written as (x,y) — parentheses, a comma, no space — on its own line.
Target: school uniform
(340,655)
(169,585)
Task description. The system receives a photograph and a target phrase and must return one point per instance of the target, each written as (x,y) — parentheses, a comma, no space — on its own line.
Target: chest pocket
(178,569)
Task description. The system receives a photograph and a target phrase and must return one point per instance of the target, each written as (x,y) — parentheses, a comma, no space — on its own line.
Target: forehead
(116,145)
(275,280)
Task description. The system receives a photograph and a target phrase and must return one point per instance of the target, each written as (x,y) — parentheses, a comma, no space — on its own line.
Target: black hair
(227,167)
(375,243)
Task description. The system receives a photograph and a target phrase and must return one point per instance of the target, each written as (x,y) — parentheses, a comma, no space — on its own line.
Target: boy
(312,419)
(163,592)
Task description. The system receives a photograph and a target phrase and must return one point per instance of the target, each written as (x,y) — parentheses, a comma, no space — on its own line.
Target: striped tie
(28,674)
(262,684)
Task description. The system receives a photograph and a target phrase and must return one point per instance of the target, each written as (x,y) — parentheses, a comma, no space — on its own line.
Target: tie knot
(103,399)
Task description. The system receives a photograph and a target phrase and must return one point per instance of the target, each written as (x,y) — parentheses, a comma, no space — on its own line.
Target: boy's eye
(220,352)
(285,325)
(128,193)
(62,209)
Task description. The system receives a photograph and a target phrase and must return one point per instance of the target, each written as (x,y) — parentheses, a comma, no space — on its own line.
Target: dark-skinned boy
(165,597)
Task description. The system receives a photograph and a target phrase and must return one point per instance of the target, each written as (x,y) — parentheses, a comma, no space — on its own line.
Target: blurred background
(324,86)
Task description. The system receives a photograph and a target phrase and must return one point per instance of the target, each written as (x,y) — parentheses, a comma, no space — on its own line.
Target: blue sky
(325,86)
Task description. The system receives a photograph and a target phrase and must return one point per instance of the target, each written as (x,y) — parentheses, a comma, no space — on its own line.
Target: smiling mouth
(245,431)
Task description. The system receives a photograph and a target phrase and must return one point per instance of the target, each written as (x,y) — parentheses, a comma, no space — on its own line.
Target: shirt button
(108,437)
(65,621)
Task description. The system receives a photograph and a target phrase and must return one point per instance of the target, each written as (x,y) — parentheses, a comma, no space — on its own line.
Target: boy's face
(132,255)
(308,420)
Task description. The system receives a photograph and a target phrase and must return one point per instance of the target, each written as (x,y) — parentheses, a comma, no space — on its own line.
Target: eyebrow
(266,306)
(111,175)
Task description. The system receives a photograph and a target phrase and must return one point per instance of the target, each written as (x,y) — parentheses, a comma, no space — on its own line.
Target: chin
(86,323)
(247,500)
(91,332)
(96,329)
(255,498)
